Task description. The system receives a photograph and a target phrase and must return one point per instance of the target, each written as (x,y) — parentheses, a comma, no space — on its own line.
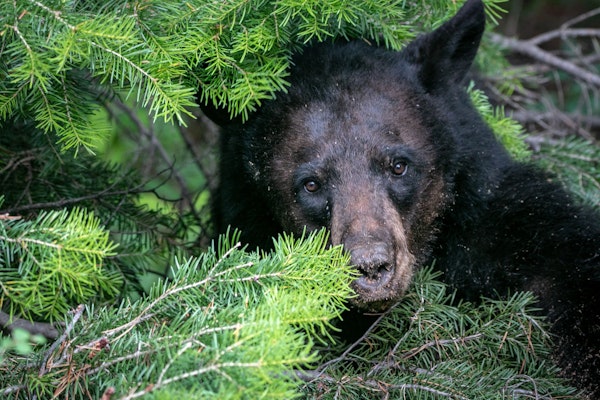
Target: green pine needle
(576,163)
(54,262)
(230,324)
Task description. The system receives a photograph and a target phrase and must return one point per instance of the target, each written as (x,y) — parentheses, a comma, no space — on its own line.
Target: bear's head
(368,143)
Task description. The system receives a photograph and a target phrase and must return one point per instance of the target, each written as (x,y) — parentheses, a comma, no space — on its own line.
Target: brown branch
(76,315)
(9,324)
(530,49)
(67,202)
(581,18)
(573,121)
(564,33)
(140,188)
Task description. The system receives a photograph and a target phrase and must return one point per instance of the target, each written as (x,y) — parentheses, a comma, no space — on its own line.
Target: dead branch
(9,324)
(530,49)
(76,315)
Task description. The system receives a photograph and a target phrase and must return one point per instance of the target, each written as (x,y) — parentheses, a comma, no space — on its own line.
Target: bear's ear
(444,56)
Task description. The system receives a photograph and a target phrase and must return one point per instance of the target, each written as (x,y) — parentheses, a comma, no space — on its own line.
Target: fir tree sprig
(229,322)
(428,348)
(42,178)
(54,261)
(576,163)
(508,131)
(237,52)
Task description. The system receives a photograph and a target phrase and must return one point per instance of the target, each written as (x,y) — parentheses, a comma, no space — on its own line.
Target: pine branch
(575,162)
(507,130)
(237,52)
(429,349)
(52,261)
(201,332)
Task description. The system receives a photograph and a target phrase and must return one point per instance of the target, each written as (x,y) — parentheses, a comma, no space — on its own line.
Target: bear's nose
(375,262)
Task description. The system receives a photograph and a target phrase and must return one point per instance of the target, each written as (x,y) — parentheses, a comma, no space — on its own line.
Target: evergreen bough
(428,347)
(229,324)
(233,324)
(54,262)
(576,163)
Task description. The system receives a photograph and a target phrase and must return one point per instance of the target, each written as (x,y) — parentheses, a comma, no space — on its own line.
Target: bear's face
(363,143)
(360,163)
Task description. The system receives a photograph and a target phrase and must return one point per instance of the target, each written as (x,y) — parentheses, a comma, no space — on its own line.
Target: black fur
(386,150)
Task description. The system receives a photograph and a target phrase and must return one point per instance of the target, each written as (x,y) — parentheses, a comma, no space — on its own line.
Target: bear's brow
(312,169)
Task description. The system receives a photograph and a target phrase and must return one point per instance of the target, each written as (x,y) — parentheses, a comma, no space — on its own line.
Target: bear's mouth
(376,263)
(374,291)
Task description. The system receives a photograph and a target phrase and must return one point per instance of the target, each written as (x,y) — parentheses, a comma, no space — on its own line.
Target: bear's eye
(311,186)
(399,168)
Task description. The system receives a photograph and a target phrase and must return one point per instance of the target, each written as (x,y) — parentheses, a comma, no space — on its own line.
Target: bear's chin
(375,307)
(376,300)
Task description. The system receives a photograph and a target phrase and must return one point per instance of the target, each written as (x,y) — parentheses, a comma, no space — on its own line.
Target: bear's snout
(376,264)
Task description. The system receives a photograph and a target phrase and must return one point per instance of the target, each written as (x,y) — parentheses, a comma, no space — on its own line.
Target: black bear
(386,150)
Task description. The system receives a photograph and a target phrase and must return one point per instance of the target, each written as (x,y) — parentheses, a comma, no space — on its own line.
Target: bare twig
(156,145)
(530,49)
(71,201)
(442,342)
(564,33)
(580,18)
(343,356)
(76,315)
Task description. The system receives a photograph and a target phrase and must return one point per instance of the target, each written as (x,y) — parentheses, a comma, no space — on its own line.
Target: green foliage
(576,163)
(54,262)
(427,348)
(240,325)
(230,324)
(509,132)
(20,342)
(58,57)
(37,177)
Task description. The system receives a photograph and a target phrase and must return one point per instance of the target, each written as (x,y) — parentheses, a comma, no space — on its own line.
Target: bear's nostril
(375,271)
(374,261)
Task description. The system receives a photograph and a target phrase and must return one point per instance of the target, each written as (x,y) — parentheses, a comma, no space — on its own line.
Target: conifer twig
(76,315)
(343,356)
(72,200)
(130,325)
(377,385)
(441,342)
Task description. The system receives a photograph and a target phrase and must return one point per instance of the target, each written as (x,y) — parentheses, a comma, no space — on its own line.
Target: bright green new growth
(58,57)
(230,324)
(53,262)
